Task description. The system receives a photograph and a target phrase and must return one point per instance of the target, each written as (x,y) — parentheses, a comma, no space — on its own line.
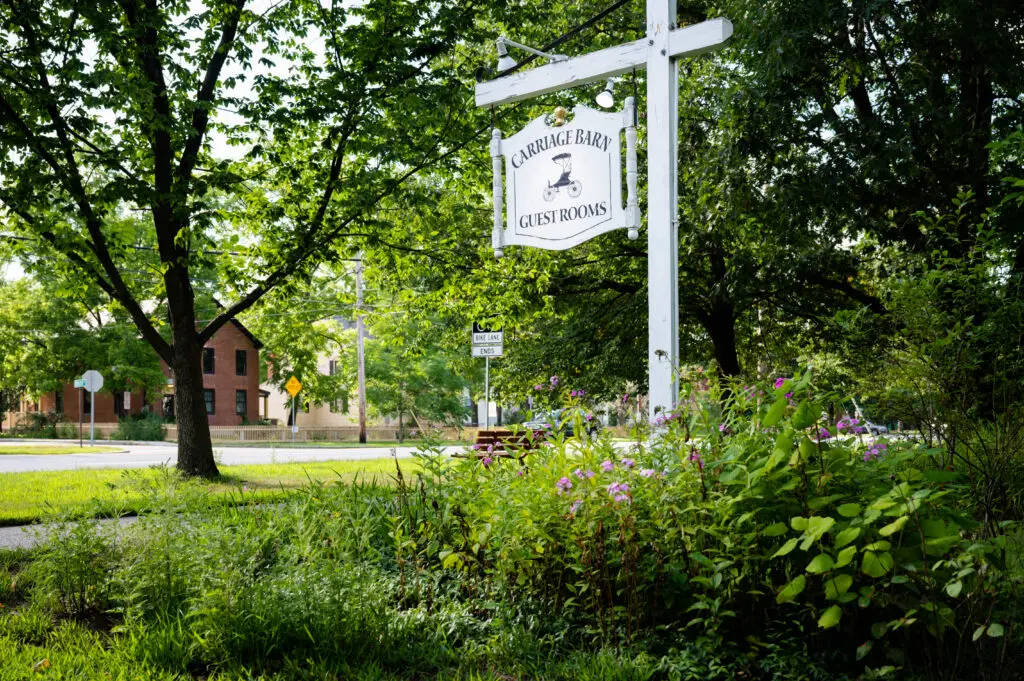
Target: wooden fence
(269,434)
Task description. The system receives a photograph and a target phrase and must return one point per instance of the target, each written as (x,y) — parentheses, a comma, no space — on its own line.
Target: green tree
(115,108)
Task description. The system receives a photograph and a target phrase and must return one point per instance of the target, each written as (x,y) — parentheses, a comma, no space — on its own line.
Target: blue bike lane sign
(563,179)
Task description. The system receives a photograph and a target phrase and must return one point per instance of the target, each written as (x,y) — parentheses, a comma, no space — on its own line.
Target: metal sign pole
(487,393)
(92,419)
(294,424)
(80,415)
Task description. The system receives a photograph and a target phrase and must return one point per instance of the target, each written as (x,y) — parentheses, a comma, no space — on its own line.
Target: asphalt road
(165,453)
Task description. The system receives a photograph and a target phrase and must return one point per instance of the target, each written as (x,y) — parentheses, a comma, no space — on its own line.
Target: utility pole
(360,355)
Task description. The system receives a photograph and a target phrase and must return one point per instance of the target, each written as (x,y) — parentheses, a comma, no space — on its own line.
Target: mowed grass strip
(50,450)
(38,496)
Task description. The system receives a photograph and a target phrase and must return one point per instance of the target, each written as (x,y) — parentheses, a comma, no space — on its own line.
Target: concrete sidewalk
(142,455)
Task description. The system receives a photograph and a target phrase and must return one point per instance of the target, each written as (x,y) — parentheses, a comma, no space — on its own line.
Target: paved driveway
(161,453)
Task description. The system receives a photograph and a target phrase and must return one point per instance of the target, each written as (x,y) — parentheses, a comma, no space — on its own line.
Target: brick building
(230,381)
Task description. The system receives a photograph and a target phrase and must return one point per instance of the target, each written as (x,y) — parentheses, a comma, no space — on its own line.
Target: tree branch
(201,112)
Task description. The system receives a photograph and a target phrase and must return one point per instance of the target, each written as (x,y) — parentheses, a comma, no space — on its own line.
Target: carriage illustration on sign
(574,186)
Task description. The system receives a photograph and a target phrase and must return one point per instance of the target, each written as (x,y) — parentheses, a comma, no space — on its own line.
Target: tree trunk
(720,324)
(195,448)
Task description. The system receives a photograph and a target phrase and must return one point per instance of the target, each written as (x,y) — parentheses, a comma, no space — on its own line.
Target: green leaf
(995,630)
(791,590)
(830,617)
(820,563)
(798,523)
(775,529)
(845,556)
(953,589)
(894,527)
(863,649)
(805,415)
(846,536)
(837,586)
(849,510)
(878,546)
(786,548)
(978,632)
(775,413)
(876,564)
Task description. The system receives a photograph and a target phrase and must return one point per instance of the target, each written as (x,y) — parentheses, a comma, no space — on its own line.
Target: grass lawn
(37,450)
(30,497)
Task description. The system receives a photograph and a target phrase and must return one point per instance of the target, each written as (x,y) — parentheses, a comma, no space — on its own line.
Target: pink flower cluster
(696,458)
(563,485)
(577,393)
(876,451)
(619,491)
(852,425)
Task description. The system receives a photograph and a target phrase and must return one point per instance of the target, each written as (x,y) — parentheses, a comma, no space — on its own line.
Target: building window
(332,367)
(208,361)
(58,405)
(240,359)
(241,405)
(335,406)
(210,395)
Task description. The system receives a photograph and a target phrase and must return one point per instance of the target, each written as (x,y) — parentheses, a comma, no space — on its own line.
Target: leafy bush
(142,427)
(752,539)
(37,424)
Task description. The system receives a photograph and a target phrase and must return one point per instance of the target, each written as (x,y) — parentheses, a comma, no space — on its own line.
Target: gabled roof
(256,343)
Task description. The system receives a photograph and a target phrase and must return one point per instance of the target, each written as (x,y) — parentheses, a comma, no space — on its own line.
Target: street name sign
(564,179)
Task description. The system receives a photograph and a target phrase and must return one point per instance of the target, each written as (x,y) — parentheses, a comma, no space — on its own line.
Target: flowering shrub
(747,506)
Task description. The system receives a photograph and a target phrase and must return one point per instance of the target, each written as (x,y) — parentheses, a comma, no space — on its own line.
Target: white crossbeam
(596,66)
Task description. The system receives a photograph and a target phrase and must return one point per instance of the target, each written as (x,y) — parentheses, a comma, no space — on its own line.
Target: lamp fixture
(605,99)
(506,62)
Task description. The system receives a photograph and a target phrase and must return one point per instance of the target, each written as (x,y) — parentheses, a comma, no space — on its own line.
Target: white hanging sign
(564,182)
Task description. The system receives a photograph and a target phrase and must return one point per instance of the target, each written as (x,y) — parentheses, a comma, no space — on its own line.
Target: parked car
(564,421)
(876,428)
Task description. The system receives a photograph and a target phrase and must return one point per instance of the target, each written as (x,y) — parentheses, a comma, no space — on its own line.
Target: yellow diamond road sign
(293,386)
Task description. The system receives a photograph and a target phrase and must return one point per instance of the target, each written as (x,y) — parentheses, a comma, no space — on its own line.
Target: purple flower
(580,474)
(618,488)
(490,448)
(824,434)
(538,387)
(876,451)
(625,398)
(621,497)
(563,485)
(575,506)
(779,382)
(520,473)
(721,427)
(590,417)
(648,472)
(486,461)
(697,459)
(628,463)
(554,380)
(607,466)
(789,396)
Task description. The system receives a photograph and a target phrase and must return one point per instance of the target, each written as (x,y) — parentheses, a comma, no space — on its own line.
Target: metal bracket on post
(632,202)
(498,235)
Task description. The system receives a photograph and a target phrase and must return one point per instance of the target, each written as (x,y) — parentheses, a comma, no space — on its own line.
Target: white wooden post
(657,52)
(662,207)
